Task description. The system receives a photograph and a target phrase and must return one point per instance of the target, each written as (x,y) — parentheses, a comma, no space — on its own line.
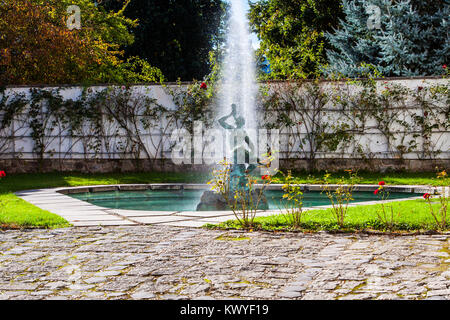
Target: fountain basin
(171,204)
(187,198)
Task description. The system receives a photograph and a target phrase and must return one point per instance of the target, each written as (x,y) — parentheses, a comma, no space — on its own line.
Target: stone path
(163,262)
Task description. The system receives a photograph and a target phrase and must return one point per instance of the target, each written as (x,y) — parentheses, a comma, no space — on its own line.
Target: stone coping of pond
(80,213)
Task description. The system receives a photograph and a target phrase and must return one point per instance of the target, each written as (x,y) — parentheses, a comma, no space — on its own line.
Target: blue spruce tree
(390,38)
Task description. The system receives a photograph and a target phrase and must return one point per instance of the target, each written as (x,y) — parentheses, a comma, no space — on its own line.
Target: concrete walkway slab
(104,223)
(137,213)
(159,219)
(186,224)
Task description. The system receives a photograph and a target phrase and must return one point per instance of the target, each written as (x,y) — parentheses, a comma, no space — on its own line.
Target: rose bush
(2,175)
(440,214)
(386,213)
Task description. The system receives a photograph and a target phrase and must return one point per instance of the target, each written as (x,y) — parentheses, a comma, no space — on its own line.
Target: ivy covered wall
(372,124)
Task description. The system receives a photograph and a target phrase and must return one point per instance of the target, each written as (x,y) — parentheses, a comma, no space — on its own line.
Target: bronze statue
(239,171)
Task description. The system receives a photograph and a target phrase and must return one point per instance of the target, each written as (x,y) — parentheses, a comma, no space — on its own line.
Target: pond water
(187,200)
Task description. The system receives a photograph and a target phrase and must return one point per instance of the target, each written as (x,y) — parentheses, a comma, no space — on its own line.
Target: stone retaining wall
(128,166)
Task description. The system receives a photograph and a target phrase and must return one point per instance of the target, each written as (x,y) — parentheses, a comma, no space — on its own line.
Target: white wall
(19,143)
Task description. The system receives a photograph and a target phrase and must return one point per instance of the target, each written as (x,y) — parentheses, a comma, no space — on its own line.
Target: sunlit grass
(391,178)
(409,215)
(15,212)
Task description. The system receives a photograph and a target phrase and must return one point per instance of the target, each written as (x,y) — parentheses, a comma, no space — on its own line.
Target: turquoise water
(187,200)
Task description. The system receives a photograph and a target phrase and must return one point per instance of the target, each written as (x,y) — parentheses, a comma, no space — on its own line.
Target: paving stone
(196,289)
(58,298)
(142,295)
(117,295)
(94,280)
(290,294)
(80,287)
(107,273)
(437,298)
(18,286)
(295,287)
(125,284)
(172,297)
(389,296)
(204,298)
(318,296)
(362,296)
(164,262)
(444,292)
(7,295)
(94,295)
(57,285)
(437,285)
(41,293)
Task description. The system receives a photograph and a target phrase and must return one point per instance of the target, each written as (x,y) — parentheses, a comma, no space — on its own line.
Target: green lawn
(410,215)
(17,213)
(392,178)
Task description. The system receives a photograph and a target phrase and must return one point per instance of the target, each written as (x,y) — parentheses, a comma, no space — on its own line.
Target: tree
(292,34)
(37,47)
(34,50)
(175,35)
(390,38)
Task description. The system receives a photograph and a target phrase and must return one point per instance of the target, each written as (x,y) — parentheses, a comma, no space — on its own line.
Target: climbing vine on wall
(11,108)
(301,109)
(343,119)
(433,118)
(133,117)
(333,117)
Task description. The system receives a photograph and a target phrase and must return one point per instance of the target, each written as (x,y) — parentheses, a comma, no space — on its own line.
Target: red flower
(381,183)
(203,86)
(444,66)
(376,191)
(425,114)
(266,177)
(420,88)
(2,174)
(427,196)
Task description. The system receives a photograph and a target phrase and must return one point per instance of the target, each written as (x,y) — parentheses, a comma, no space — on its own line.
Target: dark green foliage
(176,36)
(292,34)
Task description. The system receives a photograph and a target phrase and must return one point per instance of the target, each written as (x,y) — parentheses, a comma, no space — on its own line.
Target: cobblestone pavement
(160,262)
